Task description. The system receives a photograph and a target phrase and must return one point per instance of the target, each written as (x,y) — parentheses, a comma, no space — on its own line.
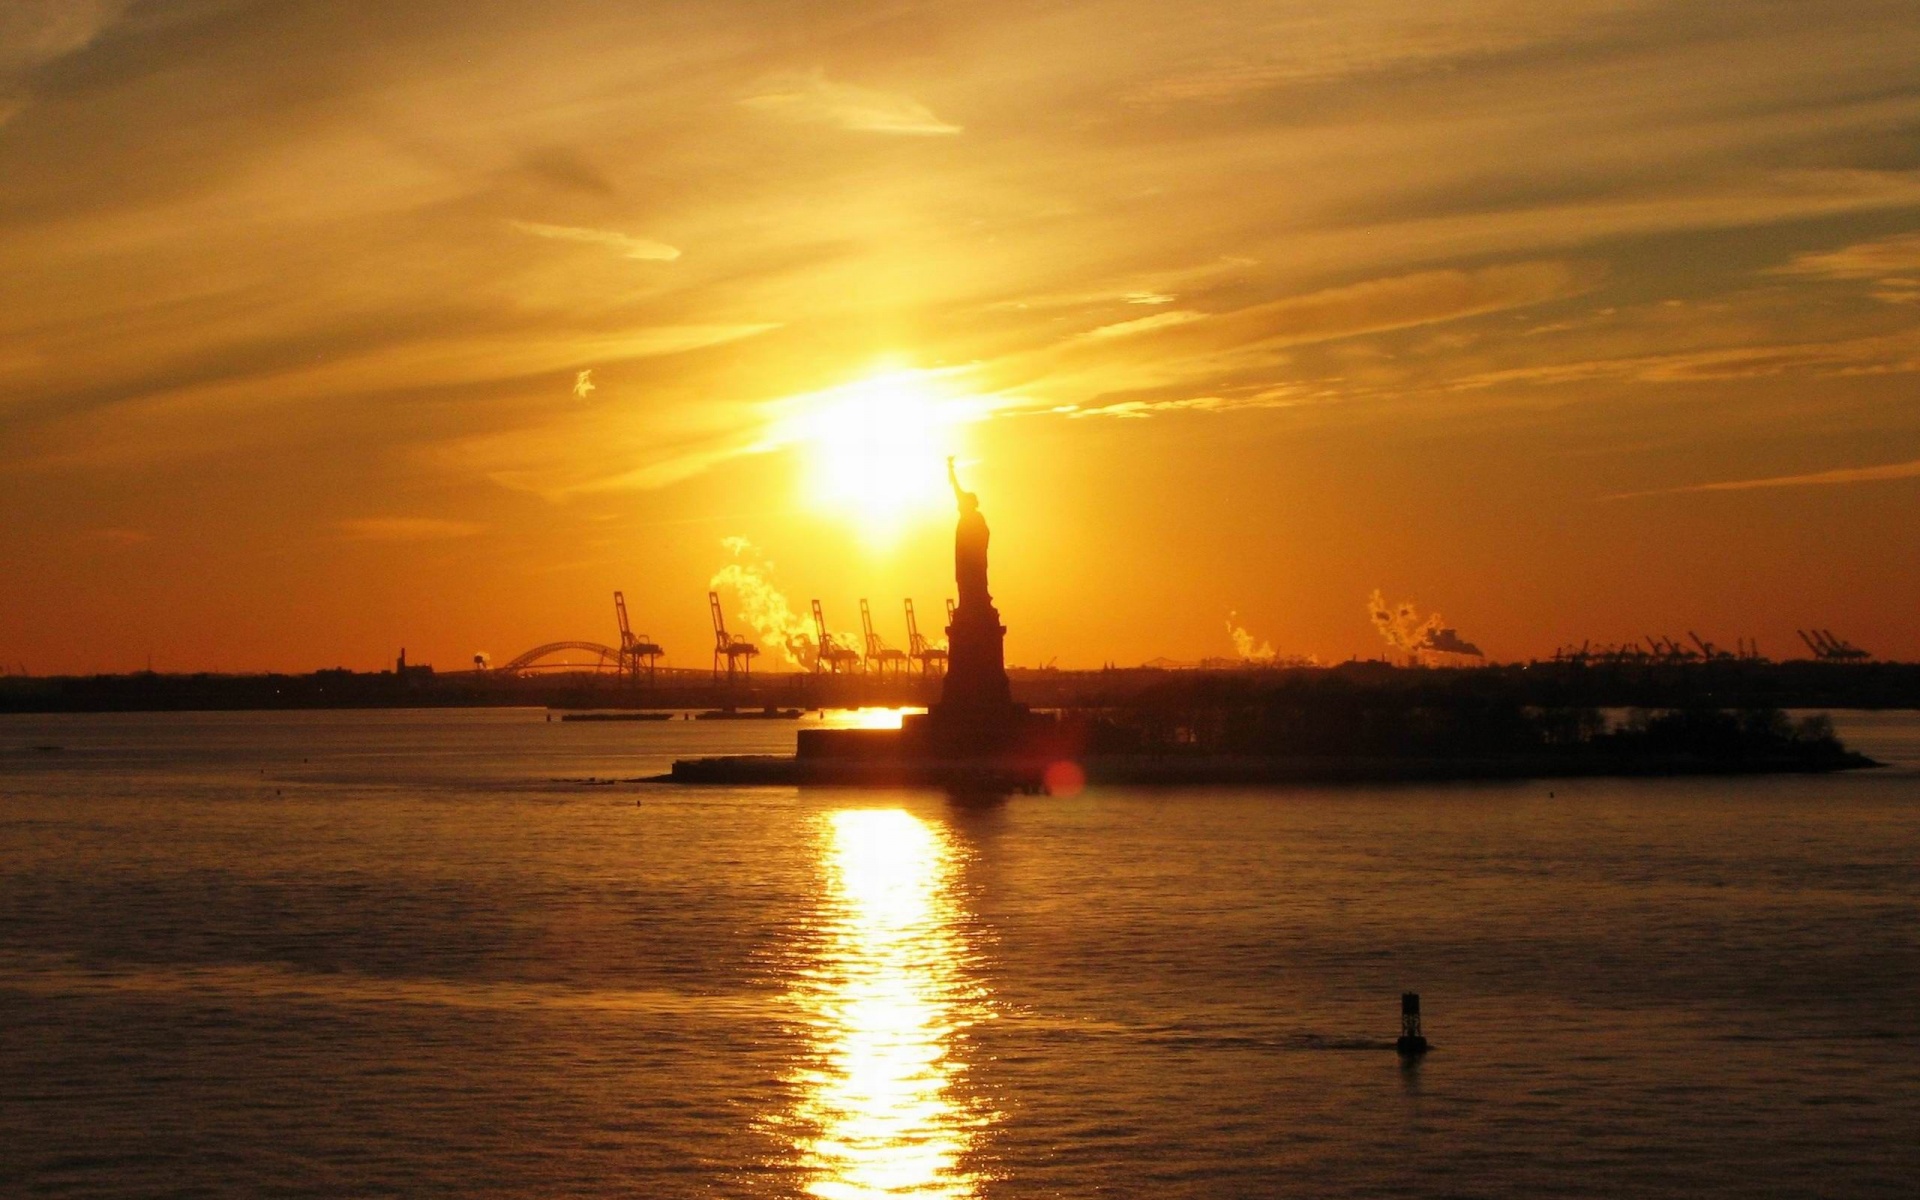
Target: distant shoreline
(1229,771)
(1726,684)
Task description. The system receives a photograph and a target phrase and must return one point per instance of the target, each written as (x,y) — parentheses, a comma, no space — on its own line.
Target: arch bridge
(635,654)
(605,657)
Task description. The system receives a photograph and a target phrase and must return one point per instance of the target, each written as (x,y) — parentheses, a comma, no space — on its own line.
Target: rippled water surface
(419,954)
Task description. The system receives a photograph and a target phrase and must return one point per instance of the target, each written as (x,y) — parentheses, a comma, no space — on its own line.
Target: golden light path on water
(888,996)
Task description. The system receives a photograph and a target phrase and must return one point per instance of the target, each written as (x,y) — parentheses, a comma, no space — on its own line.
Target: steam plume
(763,606)
(1244,644)
(1429,642)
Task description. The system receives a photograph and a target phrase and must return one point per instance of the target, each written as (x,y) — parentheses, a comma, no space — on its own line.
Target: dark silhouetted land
(1793,684)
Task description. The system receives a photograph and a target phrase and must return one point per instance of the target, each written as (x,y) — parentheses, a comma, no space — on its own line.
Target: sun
(876,449)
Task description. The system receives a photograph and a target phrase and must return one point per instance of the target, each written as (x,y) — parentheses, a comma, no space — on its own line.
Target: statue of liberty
(969,548)
(976,682)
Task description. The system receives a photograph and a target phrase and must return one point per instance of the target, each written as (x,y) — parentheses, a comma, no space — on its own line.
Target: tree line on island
(1446,717)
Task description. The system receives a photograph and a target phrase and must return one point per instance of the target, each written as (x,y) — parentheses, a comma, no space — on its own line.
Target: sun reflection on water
(887,996)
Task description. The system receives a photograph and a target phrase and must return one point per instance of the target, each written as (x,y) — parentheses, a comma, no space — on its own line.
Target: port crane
(1664,650)
(829,655)
(738,653)
(1708,650)
(634,651)
(879,655)
(1668,650)
(1828,648)
(932,659)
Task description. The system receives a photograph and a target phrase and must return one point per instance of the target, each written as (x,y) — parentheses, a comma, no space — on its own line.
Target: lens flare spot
(1065,778)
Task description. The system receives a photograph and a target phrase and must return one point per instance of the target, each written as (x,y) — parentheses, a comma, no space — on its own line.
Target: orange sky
(1573,321)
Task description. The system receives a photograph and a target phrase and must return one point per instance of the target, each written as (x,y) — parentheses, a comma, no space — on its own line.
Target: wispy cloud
(1405,301)
(1165,320)
(1743,202)
(602,450)
(405,529)
(164,416)
(1341,43)
(1833,478)
(1246,358)
(35,32)
(1862,260)
(626,245)
(581,456)
(813,98)
(1891,354)
(1891,263)
(38,31)
(1184,354)
(1276,397)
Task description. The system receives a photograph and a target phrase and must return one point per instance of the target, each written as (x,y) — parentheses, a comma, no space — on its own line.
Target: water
(353,954)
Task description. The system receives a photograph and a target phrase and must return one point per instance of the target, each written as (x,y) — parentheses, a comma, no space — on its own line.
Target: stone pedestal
(976,662)
(976,715)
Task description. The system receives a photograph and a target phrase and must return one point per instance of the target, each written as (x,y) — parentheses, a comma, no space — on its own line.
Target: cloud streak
(1352,310)
(36,32)
(405,529)
(1862,260)
(1139,325)
(1275,397)
(625,245)
(815,99)
(1893,264)
(1891,354)
(39,31)
(1839,476)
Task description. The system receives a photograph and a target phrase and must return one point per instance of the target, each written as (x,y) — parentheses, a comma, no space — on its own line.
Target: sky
(331,329)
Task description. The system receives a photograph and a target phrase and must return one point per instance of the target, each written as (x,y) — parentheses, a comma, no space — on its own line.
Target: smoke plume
(763,606)
(1244,645)
(1429,641)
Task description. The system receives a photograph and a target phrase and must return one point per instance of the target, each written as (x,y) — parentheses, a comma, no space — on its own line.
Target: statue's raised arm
(960,494)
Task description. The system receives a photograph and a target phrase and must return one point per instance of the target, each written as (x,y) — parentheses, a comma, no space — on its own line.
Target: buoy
(1411,1044)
